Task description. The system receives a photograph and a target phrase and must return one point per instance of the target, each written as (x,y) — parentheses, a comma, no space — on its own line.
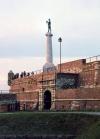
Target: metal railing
(4,91)
(93,58)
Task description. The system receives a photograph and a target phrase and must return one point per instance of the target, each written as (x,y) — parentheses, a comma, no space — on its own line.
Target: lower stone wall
(3,108)
(78,99)
(77,105)
(93,105)
(28,106)
(28,100)
(62,105)
(68,99)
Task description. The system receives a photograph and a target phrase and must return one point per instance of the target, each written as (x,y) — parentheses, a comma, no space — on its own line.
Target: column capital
(49,34)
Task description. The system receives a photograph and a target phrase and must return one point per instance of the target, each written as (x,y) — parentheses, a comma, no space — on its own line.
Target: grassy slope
(50,124)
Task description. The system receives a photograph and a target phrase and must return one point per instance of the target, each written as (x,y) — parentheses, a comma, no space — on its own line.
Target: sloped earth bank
(49,125)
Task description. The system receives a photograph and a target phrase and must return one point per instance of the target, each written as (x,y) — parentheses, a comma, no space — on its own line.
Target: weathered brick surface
(84,93)
(66,94)
(86,98)
(28,88)
(31,96)
(28,101)
(32,82)
(73,66)
(88,74)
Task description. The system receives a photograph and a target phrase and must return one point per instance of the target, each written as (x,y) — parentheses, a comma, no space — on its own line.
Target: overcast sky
(23,27)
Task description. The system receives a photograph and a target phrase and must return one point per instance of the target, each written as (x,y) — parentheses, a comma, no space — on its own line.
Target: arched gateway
(47,100)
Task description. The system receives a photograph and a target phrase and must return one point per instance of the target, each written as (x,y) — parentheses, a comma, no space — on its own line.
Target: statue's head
(49,19)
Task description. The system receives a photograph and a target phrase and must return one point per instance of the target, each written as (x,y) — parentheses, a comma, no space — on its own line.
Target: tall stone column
(49,57)
(49,47)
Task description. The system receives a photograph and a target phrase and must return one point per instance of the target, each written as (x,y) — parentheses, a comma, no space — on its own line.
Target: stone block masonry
(30,89)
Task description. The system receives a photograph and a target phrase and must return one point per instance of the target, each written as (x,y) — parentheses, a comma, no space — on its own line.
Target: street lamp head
(60,39)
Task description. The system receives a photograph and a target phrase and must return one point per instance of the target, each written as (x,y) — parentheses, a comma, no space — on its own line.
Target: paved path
(75,112)
(90,113)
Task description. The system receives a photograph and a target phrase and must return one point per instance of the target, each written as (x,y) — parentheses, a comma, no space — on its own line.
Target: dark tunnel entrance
(47,100)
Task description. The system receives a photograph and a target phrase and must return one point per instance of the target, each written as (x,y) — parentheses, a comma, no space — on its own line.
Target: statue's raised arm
(49,25)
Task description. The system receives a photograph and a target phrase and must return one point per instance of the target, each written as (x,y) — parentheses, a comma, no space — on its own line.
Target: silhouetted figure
(21,75)
(49,25)
(24,73)
(28,74)
(32,73)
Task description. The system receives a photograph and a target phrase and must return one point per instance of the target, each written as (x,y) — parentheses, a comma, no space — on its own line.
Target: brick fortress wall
(29,89)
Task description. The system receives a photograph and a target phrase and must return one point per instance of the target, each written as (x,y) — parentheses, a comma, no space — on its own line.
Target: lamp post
(60,40)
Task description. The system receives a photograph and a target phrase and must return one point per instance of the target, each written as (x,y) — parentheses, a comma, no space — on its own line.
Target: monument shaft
(49,48)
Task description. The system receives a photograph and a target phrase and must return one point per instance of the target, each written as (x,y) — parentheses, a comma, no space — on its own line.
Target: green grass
(93,132)
(30,123)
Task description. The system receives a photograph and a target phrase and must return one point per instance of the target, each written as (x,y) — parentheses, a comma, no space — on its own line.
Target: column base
(49,67)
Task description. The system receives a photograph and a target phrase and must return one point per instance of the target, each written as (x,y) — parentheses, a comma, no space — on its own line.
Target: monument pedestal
(48,67)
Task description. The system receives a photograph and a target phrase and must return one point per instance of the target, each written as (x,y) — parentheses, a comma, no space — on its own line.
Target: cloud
(23,27)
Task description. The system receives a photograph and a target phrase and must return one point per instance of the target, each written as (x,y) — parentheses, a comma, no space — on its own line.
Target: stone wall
(30,89)
(32,83)
(90,75)
(78,99)
(73,66)
(28,100)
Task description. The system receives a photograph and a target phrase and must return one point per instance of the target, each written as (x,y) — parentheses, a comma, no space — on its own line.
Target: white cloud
(73,16)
